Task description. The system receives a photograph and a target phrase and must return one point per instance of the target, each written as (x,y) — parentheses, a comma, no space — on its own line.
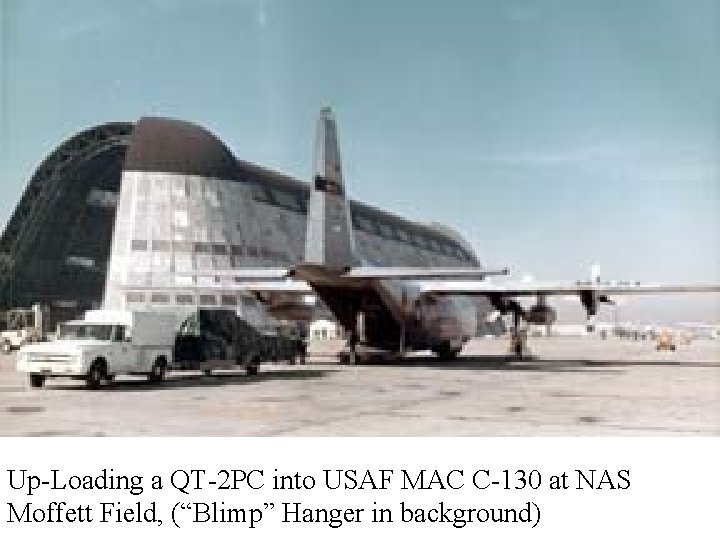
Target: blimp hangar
(139,215)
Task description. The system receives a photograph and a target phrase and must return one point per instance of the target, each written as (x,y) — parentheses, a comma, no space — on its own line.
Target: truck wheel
(37,381)
(95,375)
(157,373)
(252,367)
(6,347)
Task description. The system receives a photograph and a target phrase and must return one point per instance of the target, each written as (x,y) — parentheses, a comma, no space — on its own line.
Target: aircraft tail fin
(329,239)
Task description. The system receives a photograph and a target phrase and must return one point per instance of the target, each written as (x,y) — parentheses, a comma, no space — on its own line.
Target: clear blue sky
(551,133)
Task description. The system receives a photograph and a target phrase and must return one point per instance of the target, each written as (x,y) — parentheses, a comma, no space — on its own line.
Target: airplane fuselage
(392,315)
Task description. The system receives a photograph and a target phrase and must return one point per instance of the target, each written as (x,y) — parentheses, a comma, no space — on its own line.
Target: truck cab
(102,345)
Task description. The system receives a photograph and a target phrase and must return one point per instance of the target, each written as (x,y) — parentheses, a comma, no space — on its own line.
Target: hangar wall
(56,244)
(161,204)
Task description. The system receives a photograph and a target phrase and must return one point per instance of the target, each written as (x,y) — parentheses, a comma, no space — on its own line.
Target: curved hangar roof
(174,146)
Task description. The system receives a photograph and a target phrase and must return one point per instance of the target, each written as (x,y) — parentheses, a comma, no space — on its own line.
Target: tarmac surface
(573,386)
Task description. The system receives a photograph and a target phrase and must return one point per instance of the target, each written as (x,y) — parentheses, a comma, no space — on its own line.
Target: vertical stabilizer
(329,238)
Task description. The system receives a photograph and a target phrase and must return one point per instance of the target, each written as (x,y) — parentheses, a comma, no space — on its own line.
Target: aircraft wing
(516,289)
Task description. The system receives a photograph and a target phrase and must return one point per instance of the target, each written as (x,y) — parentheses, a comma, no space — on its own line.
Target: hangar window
(160,245)
(134,297)
(208,299)
(183,246)
(404,236)
(226,300)
(386,231)
(139,245)
(212,195)
(260,194)
(219,249)
(201,247)
(252,251)
(286,199)
(85,262)
(179,188)
(160,183)
(236,250)
(421,241)
(303,202)
(364,224)
(248,301)
(435,245)
(160,298)
(102,198)
(180,219)
(184,299)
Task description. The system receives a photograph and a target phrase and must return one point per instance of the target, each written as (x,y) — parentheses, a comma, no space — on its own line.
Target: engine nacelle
(540,314)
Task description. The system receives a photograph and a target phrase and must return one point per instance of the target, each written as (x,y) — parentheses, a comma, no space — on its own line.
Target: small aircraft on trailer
(392,310)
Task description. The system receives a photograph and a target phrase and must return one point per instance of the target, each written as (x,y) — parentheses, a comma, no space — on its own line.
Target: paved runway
(575,386)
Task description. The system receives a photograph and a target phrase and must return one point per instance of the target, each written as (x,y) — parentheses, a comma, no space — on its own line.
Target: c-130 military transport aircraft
(391,310)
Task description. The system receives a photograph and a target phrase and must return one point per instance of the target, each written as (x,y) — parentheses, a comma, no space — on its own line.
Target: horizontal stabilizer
(400,272)
(311,273)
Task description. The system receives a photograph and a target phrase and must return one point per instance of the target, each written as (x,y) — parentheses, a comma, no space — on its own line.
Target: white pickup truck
(105,344)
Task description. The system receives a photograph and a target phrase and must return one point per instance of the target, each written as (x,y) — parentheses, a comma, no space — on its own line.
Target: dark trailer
(218,339)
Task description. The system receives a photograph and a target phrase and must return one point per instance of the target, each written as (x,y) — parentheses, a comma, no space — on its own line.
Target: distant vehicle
(665,341)
(218,339)
(102,345)
(19,327)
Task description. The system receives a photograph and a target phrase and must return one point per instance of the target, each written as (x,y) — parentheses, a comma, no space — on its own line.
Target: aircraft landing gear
(518,338)
(357,335)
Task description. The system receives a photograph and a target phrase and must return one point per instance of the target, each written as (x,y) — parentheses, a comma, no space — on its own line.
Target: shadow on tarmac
(487,363)
(196,380)
(530,363)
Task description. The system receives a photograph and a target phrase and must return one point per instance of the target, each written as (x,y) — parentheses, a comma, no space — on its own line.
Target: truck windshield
(99,332)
